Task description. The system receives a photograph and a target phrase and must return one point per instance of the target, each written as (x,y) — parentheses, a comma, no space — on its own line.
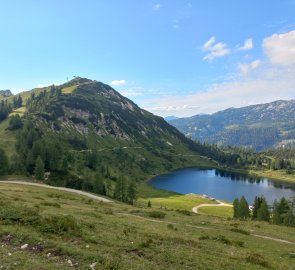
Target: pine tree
(243,209)
(3,162)
(131,192)
(236,204)
(256,206)
(120,189)
(280,210)
(149,205)
(39,169)
(263,212)
(289,219)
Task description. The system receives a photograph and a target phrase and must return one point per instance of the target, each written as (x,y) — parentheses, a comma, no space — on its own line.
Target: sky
(171,57)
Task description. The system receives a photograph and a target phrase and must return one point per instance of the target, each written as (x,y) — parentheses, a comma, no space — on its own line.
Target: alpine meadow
(147,135)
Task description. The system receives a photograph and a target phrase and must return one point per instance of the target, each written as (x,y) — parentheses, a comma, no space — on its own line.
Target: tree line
(280,213)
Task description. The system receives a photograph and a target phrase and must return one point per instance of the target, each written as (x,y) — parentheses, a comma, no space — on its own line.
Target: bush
(237,230)
(60,225)
(256,258)
(10,214)
(156,214)
(57,205)
(204,237)
(184,212)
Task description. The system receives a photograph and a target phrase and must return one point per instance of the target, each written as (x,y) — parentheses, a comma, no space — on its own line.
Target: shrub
(256,258)
(57,205)
(10,214)
(222,239)
(156,214)
(184,212)
(204,237)
(60,225)
(237,230)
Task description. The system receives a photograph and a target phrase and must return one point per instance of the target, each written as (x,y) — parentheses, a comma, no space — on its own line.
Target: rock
(70,263)
(24,246)
(92,266)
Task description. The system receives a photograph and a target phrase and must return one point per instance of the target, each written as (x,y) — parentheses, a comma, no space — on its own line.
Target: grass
(69,90)
(7,138)
(182,202)
(217,211)
(119,236)
(20,111)
(278,175)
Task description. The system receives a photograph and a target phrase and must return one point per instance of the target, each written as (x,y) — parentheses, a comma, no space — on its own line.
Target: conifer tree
(3,162)
(236,207)
(263,212)
(39,169)
(243,209)
(131,192)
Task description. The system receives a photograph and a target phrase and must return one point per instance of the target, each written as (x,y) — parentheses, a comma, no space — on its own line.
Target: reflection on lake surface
(223,185)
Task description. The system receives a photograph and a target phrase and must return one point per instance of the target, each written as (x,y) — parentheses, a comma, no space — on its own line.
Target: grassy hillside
(54,230)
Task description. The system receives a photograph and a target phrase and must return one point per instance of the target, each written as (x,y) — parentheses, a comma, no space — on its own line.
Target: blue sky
(170,57)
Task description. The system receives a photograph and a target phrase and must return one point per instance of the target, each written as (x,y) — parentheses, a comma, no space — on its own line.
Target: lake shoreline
(207,180)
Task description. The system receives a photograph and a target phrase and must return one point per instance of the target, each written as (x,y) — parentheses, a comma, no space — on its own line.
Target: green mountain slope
(85,128)
(259,126)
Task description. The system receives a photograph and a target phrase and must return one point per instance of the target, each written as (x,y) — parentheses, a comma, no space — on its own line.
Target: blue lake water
(223,185)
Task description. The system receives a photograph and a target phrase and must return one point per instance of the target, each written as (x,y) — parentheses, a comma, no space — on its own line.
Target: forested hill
(84,131)
(258,127)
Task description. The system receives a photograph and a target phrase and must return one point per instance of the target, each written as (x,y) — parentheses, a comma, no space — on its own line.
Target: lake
(223,185)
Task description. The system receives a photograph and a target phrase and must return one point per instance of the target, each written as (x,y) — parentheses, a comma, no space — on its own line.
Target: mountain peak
(5,93)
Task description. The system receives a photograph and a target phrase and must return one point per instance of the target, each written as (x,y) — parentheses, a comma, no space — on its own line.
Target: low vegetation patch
(258,259)
(237,230)
(156,214)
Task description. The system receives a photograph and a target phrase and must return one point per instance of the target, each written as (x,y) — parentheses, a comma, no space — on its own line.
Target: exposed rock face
(5,93)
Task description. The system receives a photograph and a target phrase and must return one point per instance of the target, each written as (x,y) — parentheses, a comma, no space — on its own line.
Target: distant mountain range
(259,127)
(170,117)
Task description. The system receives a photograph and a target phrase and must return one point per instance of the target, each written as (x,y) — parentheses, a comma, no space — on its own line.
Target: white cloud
(118,82)
(214,49)
(280,48)
(209,43)
(246,68)
(272,85)
(157,7)
(133,92)
(248,45)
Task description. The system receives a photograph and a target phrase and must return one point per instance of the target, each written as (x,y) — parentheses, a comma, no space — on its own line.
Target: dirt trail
(219,203)
(80,192)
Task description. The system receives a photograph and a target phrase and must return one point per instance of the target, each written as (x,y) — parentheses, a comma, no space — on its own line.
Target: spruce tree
(131,192)
(236,204)
(256,206)
(289,219)
(243,209)
(149,205)
(39,169)
(263,212)
(3,162)
(120,189)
